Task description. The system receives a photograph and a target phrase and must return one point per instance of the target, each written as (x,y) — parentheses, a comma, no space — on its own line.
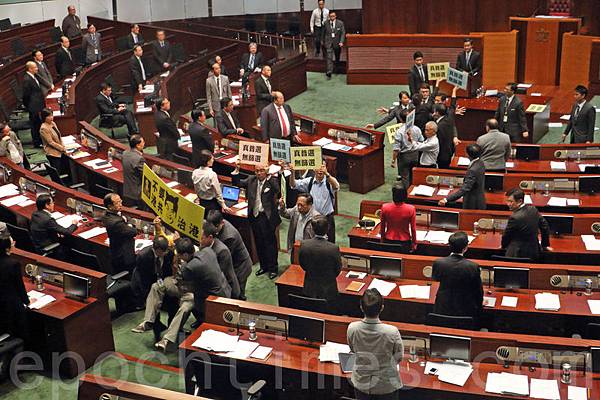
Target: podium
(540,45)
(473,84)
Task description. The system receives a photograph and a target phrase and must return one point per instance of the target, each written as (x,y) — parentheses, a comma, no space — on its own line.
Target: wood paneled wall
(500,57)
(575,62)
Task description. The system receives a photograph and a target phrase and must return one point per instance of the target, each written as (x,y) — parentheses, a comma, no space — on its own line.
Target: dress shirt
(284,122)
(399,219)
(579,107)
(107,98)
(267,82)
(251,61)
(258,207)
(429,149)
(34,78)
(206,185)
(317,19)
(142,66)
(219,88)
(135,37)
(421,72)
(302,220)
(321,197)
(231,120)
(468,56)
(68,52)
(401,142)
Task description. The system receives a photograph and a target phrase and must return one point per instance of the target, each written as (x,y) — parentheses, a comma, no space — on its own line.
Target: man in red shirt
(397,217)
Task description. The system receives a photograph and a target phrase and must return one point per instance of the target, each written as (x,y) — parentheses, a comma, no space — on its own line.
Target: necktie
(422,74)
(109,99)
(219,87)
(36,81)
(135,39)
(577,109)
(162,44)
(332,25)
(231,120)
(157,266)
(251,62)
(93,37)
(268,85)
(142,66)
(258,203)
(68,53)
(467,57)
(284,129)
(321,22)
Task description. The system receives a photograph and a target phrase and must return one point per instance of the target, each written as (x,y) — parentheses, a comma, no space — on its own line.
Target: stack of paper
(423,190)
(9,189)
(219,342)
(594,306)
(322,142)
(509,301)
(147,89)
(38,300)
(97,163)
(99,230)
(577,393)
(242,349)
(13,201)
(329,352)
(505,383)
(591,243)
(453,373)
(565,117)
(544,389)
(463,161)
(67,220)
(414,292)
(557,201)
(558,165)
(384,287)
(547,301)
(261,352)
(438,236)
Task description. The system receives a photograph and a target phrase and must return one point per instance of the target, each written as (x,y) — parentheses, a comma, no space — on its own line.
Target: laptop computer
(231,195)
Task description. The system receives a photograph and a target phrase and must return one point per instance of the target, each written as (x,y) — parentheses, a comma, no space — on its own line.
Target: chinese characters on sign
(410,120)
(438,71)
(391,132)
(306,157)
(458,78)
(254,153)
(280,150)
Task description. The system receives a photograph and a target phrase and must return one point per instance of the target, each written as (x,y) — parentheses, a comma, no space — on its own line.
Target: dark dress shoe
(260,272)
(272,275)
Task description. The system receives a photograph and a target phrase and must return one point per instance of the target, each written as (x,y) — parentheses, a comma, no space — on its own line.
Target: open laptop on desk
(231,195)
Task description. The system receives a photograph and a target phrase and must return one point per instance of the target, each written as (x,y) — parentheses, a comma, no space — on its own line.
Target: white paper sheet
(219,342)
(421,235)
(557,202)
(438,236)
(544,389)
(443,192)
(99,230)
(243,349)
(13,201)
(423,190)
(329,352)
(527,199)
(504,382)
(67,220)
(558,165)
(577,393)
(463,161)
(10,189)
(594,306)
(322,142)
(509,301)
(547,301)
(510,164)
(591,243)
(555,124)
(384,287)
(261,352)
(415,292)
(489,301)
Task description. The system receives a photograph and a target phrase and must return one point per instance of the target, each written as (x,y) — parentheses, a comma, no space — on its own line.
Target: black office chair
(183,160)
(450,321)
(179,53)
(55,34)
(592,331)
(184,176)
(62,179)
(118,287)
(122,44)
(118,90)
(390,247)
(101,191)
(198,103)
(17,46)
(511,259)
(83,259)
(307,303)
(23,241)
(107,122)
(18,92)
(221,374)
(16,120)
(592,170)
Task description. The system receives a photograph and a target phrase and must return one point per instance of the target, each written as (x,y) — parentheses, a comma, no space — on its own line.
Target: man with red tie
(277,120)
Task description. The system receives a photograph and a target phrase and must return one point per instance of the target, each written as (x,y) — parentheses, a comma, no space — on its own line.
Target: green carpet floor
(331,100)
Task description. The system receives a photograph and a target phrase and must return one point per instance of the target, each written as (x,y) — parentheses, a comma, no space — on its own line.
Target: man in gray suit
(334,38)
(217,87)
(277,120)
(44,76)
(472,188)
(133,169)
(300,217)
(583,118)
(91,45)
(71,24)
(495,147)
(510,114)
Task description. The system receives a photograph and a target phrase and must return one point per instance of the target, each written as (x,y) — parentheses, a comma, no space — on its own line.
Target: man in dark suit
(520,237)
(134,38)
(209,239)
(71,24)
(446,135)
(121,235)
(277,120)
(168,135)
(217,60)
(133,169)
(417,74)
(469,60)
(161,51)
(460,293)
(227,120)
(510,115)
(119,113)
(138,69)
(334,39)
(321,261)
(583,118)
(43,75)
(250,61)
(151,264)
(394,113)
(262,195)
(230,236)
(33,100)
(64,59)
(44,229)
(263,89)
(423,102)
(472,189)
(200,136)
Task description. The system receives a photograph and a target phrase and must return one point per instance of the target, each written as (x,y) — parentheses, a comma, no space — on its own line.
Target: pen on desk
(589,393)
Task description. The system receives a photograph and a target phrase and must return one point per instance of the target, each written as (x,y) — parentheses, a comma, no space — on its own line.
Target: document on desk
(414,292)
(463,161)
(509,301)
(322,142)
(582,167)
(191,197)
(172,184)
(26,203)
(38,300)
(423,190)
(329,352)
(558,165)
(13,201)
(438,236)
(577,393)
(261,352)
(79,154)
(590,242)
(510,164)
(594,306)
(67,220)
(97,231)
(333,146)
(547,301)
(489,301)
(544,389)
(421,235)
(243,349)
(10,189)
(453,373)
(216,341)
(506,383)
(557,202)
(384,287)
(443,192)
(527,199)
(573,202)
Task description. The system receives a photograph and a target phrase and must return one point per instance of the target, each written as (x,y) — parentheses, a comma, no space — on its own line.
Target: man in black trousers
(168,135)
(510,115)
(33,100)
(583,118)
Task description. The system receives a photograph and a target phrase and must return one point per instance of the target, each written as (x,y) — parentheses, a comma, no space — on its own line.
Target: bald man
(277,120)
(217,88)
(33,100)
(64,59)
(71,24)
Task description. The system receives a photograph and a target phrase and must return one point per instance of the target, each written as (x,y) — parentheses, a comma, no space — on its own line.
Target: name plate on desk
(553,185)
(444,180)
(590,152)
(492,223)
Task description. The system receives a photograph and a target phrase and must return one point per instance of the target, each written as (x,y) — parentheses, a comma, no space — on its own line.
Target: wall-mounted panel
(133,10)
(196,8)
(260,6)
(161,10)
(228,7)
(288,6)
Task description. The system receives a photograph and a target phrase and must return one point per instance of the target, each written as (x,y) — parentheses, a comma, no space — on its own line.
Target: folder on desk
(506,383)
(547,301)
(423,190)
(355,286)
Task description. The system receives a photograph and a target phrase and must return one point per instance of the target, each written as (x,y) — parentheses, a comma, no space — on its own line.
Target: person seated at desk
(217,60)
(473,187)
(249,62)
(520,237)
(583,119)
(63,60)
(138,69)
(495,147)
(322,263)
(430,148)
(44,229)
(168,134)
(230,236)
(217,89)
(152,264)
(209,239)
(379,350)
(399,220)
(263,89)
(396,113)
(200,136)
(119,114)
(460,292)
(91,45)
(277,120)
(52,142)
(206,184)
(227,120)
(300,217)
(10,145)
(133,169)
(13,295)
(510,114)
(121,235)
(161,51)
(134,38)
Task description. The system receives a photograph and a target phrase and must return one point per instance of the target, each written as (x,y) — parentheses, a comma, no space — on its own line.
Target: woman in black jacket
(13,296)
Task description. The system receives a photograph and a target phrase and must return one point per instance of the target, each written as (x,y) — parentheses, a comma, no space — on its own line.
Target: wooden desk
(92,387)
(536,167)
(32,35)
(551,151)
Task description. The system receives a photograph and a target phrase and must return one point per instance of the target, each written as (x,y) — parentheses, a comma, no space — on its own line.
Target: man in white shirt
(430,148)
(318,18)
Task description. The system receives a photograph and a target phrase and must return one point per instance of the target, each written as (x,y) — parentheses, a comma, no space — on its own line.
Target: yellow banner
(173,209)
(438,71)
(391,132)
(306,157)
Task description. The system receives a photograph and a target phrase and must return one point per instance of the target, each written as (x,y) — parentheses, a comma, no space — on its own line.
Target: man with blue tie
(250,61)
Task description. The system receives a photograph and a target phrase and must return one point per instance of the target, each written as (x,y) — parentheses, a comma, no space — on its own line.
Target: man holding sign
(277,120)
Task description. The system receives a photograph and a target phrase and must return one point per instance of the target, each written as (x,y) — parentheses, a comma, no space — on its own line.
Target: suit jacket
(294,216)
(258,61)
(516,122)
(105,105)
(90,46)
(51,139)
(137,78)
(133,169)
(474,64)
(205,277)
(582,126)
(162,54)
(269,196)
(333,37)
(168,135)
(131,43)
(473,187)
(121,236)
(269,122)
(212,92)
(64,62)
(44,77)
(495,149)
(145,274)
(33,97)
(224,124)
(322,263)
(71,26)
(460,292)
(520,238)
(44,230)
(263,94)
(445,134)
(14,296)
(394,113)
(226,265)
(242,263)
(423,113)
(201,140)
(415,80)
